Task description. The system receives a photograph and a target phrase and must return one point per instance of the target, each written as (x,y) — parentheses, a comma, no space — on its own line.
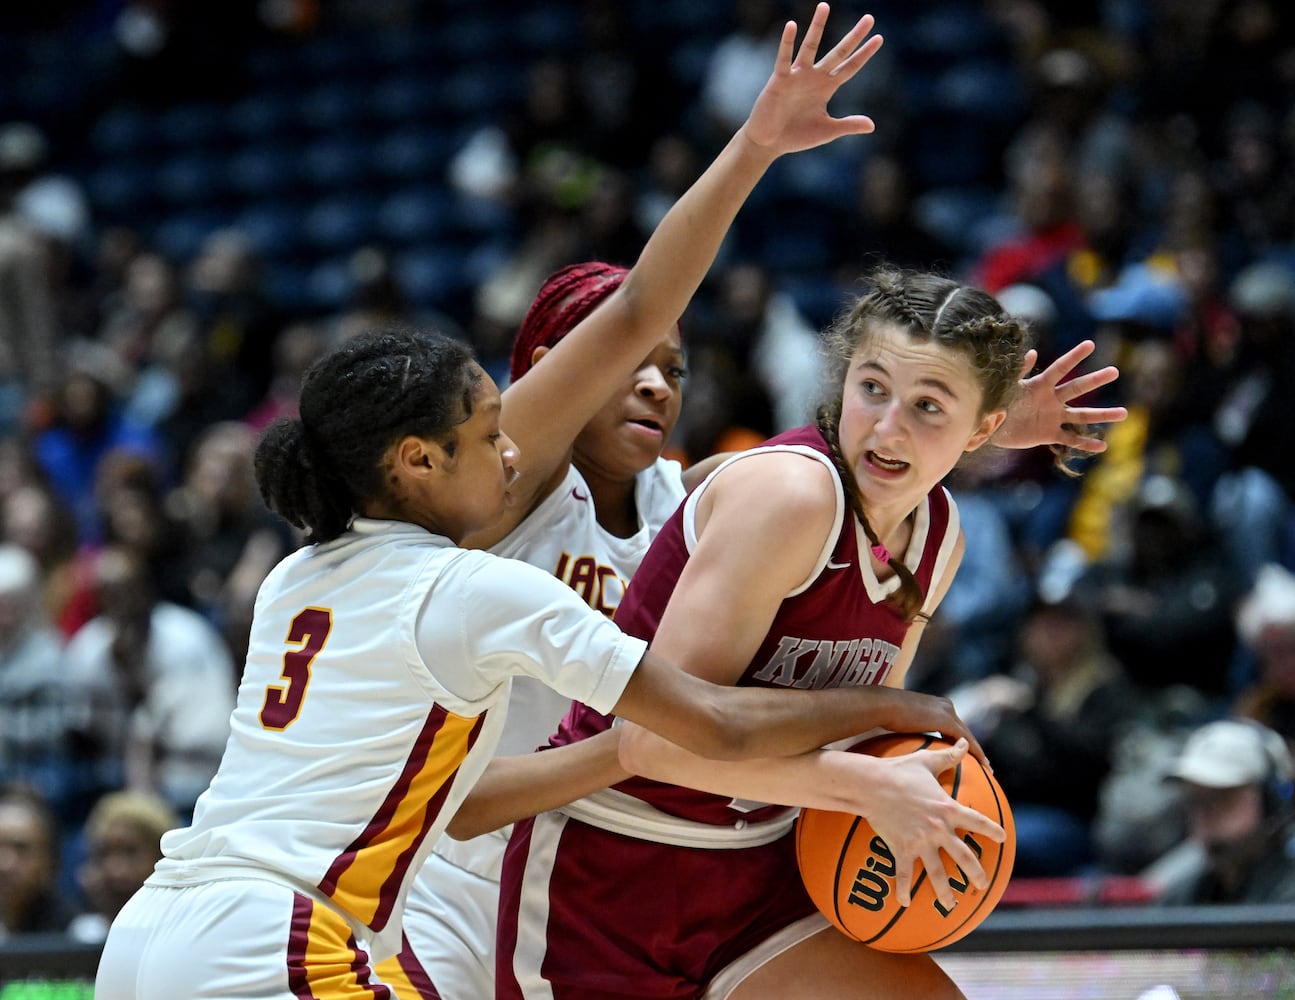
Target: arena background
(318,129)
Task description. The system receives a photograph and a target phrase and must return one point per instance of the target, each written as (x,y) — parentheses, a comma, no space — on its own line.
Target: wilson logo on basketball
(871,885)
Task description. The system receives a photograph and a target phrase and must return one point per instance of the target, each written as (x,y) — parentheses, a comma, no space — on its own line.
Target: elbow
(463,827)
(728,734)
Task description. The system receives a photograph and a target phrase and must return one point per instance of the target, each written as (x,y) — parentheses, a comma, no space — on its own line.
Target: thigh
(829,965)
(238,939)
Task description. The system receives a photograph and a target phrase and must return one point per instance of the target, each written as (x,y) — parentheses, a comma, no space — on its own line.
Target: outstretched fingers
(960,821)
(1086,383)
(808,53)
(852,53)
(786,48)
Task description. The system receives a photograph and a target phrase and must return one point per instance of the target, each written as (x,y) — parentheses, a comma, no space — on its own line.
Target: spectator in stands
(1236,777)
(30,899)
(29,336)
(88,424)
(1266,625)
(230,540)
(769,337)
(149,688)
(377,297)
(123,841)
(131,503)
(1166,595)
(237,319)
(1049,726)
(1046,229)
(295,349)
(34,518)
(147,307)
(738,65)
(883,224)
(33,737)
(1160,437)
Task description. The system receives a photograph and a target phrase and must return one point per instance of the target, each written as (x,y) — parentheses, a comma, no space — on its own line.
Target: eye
(930,406)
(677,372)
(871,388)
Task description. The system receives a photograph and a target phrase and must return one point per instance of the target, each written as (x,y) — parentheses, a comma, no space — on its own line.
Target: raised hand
(1043,414)
(791,112)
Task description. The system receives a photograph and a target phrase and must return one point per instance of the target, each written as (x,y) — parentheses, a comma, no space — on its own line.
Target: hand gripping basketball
(859,883)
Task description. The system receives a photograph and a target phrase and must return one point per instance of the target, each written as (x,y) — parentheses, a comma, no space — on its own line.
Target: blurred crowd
(1121,171)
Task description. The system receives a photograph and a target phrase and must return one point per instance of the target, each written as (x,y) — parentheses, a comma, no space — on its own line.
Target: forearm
(822,779)
(735,723)
(513,788)
(775,723)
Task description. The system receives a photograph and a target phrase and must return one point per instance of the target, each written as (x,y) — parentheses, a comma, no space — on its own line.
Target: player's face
(474,493)
(910,410)
(627,435)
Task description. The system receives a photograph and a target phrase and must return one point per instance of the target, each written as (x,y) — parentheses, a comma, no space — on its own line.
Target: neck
(613,499)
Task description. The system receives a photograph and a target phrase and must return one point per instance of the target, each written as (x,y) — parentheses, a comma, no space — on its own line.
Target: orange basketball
(850,873)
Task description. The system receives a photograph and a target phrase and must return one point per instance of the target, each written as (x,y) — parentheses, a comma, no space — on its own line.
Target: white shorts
(449,926)
(232,939)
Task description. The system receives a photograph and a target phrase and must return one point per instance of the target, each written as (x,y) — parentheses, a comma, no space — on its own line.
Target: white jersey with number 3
(375,690)
(453,901)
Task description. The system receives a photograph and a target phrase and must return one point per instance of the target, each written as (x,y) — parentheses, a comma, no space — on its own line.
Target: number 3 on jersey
(309,631)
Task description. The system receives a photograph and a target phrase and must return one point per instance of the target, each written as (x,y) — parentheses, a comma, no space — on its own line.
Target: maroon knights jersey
(836,629)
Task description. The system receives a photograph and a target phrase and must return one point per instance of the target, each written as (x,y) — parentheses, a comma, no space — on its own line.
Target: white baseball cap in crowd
(1231,753)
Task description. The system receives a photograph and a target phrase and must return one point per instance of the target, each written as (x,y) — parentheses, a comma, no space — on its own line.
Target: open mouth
(885,463)
(649,423)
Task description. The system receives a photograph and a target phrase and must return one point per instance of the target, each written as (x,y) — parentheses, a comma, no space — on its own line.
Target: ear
(416,456)
(539,353)
(989,423)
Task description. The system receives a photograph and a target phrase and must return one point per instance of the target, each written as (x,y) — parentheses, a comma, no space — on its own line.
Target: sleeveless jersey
(834,630)
(374,692)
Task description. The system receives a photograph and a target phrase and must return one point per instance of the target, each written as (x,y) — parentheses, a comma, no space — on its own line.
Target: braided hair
(317,469)
(931,308)
(568,296)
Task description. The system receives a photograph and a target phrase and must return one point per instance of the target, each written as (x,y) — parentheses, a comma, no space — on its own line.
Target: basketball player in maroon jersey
(812,562)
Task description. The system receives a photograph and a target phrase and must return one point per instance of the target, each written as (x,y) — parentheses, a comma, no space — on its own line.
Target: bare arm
(545,410)
(513,788)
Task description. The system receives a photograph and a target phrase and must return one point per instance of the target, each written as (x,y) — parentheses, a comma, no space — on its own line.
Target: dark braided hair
(933,308)
(568,296)
(316,470)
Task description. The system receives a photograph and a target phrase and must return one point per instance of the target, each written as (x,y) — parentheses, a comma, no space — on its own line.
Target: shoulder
(479,576)
(792,480)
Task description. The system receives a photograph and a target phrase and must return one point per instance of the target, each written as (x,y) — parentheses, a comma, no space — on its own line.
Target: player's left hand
(1042,415)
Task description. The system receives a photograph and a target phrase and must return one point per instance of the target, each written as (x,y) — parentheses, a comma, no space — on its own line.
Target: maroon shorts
(594,914)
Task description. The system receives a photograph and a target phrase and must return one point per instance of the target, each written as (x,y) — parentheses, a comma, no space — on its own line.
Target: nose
(509,453)
(890,425)
(651,383)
